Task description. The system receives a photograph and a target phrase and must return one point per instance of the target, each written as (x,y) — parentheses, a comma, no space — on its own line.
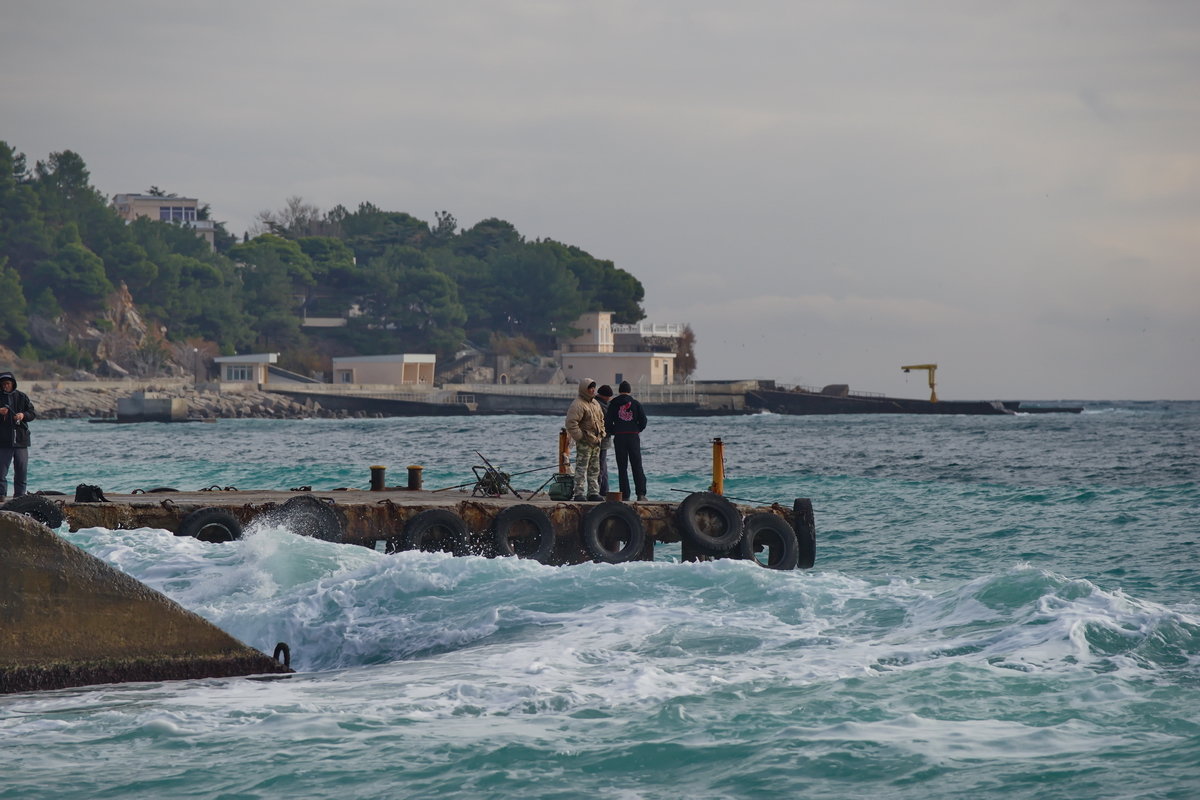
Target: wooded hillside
(404,284)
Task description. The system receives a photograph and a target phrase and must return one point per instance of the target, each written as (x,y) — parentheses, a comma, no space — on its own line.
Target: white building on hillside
(610,353)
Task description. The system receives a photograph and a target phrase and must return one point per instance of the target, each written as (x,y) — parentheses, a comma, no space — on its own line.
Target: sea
(1001,607)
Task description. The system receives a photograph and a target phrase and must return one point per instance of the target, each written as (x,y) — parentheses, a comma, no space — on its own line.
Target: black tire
(709,523)
(211,525)
(36,507)
(769,533)
(437,530)
(612,523)
(805,526)
(510,533)
(309,515)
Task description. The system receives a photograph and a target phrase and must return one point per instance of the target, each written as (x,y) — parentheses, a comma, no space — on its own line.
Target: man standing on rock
(585,425)
(15,413)
(626,420)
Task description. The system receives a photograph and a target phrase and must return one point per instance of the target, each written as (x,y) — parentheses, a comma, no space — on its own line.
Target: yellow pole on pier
(718,483)
(564,452)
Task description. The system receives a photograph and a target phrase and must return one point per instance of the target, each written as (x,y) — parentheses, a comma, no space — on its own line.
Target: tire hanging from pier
(36,507)
(309,515)
(771,533)
(709,523)
(210,525)
(436,530)
(602,527)
(506,533)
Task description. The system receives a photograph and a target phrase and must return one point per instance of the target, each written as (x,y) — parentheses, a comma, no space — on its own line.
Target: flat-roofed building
(180,210)
(400,368)
(596,354)
(247,368)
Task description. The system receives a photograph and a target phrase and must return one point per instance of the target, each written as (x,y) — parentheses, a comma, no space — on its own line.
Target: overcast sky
(824,191)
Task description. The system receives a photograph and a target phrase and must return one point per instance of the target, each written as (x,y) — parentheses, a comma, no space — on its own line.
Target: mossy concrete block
(69,619)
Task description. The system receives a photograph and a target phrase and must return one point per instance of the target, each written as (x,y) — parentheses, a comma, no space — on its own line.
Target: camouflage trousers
(587,469)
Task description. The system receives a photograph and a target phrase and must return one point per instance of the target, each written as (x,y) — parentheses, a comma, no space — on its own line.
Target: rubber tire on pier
(437,525)
(695,530)
(532,516)
(211,525)
(36,507)
(771,532)
(805,526)
(594,532)
(309,515)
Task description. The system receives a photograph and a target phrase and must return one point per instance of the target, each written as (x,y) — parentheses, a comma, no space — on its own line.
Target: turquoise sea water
(1001,607)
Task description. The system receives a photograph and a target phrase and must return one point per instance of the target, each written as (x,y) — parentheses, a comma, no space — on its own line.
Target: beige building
(594,354)
(248,368)
(180,210)
(391,369)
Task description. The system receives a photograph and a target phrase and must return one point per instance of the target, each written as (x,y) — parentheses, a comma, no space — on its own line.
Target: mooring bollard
(564,451)
(718,484)
(378,479)
(414,477)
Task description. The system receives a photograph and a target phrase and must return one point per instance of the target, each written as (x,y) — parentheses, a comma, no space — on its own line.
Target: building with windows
(611,353)
(179,210)
(249,368)
(402,368)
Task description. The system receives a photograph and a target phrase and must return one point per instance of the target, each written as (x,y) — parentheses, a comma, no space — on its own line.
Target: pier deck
(457,522)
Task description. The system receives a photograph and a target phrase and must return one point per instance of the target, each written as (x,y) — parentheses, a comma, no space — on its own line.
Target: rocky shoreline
(100,402)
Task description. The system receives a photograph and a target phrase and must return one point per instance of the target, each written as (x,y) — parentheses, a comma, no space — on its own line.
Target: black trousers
(19,458)
(628,447)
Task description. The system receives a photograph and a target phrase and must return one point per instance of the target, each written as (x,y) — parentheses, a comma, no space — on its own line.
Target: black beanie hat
(605,391)
(624,388)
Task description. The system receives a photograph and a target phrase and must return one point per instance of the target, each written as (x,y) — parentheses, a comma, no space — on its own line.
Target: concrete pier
(69,619)
(379,519)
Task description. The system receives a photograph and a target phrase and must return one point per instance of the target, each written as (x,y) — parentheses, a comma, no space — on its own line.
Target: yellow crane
(931,369)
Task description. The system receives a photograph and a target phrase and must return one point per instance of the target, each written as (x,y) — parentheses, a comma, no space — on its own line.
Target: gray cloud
(823,190)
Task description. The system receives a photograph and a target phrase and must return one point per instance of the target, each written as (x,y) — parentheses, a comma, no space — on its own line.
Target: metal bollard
(378,478)
(414,477)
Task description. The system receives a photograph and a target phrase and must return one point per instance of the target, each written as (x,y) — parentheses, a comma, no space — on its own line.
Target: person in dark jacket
(626,420)
(603,396)
(15,414)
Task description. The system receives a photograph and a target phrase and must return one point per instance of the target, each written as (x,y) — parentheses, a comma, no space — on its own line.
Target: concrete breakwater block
(69,619)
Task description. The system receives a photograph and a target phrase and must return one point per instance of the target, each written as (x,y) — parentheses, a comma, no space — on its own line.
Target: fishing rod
(730,497)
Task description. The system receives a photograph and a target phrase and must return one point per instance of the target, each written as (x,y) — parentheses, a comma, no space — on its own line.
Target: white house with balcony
(610,353)
(180,210)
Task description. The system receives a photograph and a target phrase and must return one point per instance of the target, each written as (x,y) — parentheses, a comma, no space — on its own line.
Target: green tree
(533,295)
(23,236)
(14,323)
(487,239)
(412,304)
(74,274)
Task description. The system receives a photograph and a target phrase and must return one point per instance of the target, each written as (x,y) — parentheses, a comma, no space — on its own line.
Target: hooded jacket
(14,434)
(585,417)
(625,415)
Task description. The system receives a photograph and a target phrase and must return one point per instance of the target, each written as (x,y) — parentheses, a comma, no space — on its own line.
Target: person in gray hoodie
(15,414)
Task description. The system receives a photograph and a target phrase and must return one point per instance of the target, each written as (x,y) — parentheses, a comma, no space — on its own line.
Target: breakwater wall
(69,619)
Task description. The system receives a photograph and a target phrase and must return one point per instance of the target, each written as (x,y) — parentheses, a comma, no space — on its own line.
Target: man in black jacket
(15,413)
(626,420)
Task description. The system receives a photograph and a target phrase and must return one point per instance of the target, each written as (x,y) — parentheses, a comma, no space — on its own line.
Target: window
(238,372)
(345,376)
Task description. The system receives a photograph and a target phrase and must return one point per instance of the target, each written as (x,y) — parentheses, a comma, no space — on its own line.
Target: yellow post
(718,484)
(564,451)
